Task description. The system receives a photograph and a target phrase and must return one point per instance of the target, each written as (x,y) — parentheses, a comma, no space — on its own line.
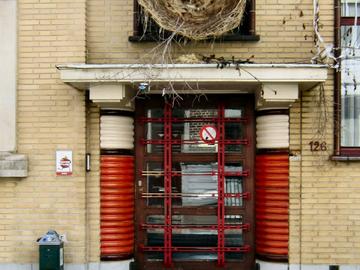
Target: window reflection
(350,86)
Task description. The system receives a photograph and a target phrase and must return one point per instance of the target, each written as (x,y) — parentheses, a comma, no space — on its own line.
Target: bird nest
(196,19)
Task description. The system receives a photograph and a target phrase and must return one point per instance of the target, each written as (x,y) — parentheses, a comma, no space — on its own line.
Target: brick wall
(93,183)
(325,215)
(50,116)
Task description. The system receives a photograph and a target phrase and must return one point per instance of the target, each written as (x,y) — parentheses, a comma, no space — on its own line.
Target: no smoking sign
(208,134)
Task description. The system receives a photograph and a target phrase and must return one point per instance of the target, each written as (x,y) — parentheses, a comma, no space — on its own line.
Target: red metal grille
(168,173)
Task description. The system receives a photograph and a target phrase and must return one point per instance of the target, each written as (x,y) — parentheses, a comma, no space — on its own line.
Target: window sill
(226,38)
(345,158)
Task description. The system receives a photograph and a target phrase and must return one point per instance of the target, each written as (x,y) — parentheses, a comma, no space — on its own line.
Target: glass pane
(195,220)
(195,237)
(183,238)
(234,131)
(154,131)
(155,184)
(196,256)
(233,185)
(350,8)
(184,256)
(191,130)
(234,256)
(233,113)
(195,112)
(350,86)
(200,182)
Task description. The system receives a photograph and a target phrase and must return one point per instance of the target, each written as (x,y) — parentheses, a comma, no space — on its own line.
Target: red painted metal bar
(213,173)
(243,249)
(167,185)
(245,195)
(225,142)
(244,227)
(221,185)
(242,173)
(202,119)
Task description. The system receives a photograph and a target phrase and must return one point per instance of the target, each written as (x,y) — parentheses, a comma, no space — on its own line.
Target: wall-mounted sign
(64,162)
(208,134)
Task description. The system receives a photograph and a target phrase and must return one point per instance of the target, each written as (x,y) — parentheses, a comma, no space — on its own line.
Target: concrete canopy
(275,85)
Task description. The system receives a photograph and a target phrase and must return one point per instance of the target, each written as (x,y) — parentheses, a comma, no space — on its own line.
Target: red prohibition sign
(208,134)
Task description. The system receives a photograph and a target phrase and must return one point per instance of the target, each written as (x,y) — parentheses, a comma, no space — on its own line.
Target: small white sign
(64,162)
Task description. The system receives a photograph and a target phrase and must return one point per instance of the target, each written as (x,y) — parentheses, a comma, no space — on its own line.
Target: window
(245,31)
(348,94)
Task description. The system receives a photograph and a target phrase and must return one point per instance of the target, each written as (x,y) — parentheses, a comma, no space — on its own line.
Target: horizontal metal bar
(194,210)
(243,249)
(226,142)
(179,173)
(245,195)
(195,119)
(244,227)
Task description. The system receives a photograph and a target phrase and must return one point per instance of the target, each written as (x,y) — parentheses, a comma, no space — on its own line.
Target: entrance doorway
(194,189)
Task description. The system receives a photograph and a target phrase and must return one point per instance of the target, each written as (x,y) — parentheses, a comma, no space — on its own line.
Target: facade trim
(82,75)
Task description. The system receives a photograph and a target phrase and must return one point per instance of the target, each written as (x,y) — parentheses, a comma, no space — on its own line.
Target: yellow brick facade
(324,200)
(50,116)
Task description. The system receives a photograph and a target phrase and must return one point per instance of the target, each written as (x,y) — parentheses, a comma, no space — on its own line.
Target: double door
(194,187)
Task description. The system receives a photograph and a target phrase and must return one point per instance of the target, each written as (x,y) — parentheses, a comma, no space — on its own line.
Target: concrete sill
(225,38)
(13,165)
(344,158)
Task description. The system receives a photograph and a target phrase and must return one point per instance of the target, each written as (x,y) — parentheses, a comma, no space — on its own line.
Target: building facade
(232,153)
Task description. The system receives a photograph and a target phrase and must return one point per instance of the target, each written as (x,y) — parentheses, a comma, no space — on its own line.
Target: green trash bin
(51,251)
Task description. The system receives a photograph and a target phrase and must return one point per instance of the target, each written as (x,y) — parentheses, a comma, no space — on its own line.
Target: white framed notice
(64,162)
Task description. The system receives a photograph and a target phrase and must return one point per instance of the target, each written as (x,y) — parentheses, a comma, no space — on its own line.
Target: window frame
(339,150)
(138,35)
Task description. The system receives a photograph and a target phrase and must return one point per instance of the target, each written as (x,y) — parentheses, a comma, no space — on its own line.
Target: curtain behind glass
(350,86)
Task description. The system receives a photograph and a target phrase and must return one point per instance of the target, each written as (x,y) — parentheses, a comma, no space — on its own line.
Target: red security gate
(194,199)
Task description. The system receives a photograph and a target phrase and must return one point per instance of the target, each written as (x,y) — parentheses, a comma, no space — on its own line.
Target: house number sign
(316,146)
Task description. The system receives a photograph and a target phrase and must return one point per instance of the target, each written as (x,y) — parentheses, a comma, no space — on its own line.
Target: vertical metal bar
(221,178)
(167,185)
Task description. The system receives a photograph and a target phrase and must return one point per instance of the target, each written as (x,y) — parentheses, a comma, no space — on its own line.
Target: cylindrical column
(116,132)
(272,131)
(272,185)
(272,205)
(116,185)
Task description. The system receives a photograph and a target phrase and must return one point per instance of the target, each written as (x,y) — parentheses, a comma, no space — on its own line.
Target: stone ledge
(13,165)
(345,158)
